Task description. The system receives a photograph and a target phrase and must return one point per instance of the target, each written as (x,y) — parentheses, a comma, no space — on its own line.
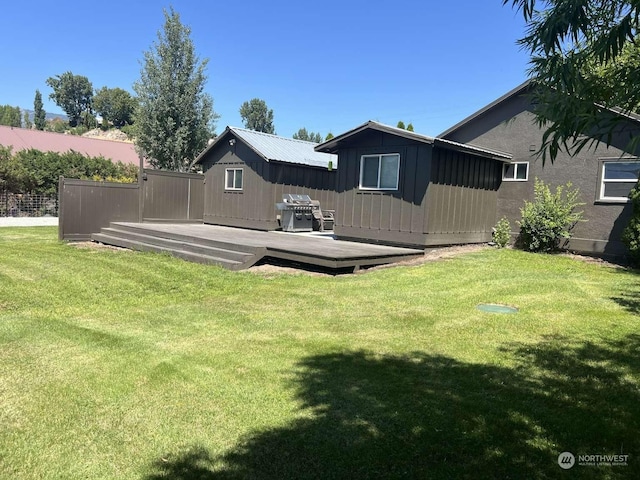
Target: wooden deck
(237,248)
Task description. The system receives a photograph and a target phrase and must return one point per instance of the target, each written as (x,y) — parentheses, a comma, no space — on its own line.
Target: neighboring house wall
(443,197)
(263,185)
(509,126)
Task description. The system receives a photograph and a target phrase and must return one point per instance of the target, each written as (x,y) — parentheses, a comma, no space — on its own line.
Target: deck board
(313,249)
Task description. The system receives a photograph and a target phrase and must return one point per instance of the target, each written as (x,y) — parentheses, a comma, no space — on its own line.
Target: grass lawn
(117,365)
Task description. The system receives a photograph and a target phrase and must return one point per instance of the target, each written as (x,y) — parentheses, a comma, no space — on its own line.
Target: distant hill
(48,116)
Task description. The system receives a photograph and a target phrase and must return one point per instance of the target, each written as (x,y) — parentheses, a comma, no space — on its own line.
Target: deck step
(229,259)
(190,246)
(181,237)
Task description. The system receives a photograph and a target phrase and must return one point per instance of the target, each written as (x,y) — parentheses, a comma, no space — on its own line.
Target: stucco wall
(510,127)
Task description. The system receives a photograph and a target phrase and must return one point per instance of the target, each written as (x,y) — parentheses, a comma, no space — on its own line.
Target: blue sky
(326,66)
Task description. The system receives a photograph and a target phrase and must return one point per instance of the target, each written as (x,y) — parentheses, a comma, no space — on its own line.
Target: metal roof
(275,148)
(333,145)
(24,139)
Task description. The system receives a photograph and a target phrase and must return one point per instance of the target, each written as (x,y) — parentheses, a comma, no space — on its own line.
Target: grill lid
(297,198)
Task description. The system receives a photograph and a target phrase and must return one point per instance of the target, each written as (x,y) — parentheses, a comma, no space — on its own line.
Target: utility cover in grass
(495,308)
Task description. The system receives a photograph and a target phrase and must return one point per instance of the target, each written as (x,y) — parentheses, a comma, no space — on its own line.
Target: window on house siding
(233,180)
(515,172)
(617,180)
(379,172)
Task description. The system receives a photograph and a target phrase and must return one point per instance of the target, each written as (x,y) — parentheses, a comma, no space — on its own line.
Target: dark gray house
(247,173)
(399,187)
(604,175)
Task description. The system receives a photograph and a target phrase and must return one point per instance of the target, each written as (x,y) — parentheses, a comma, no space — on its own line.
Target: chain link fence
(28,205)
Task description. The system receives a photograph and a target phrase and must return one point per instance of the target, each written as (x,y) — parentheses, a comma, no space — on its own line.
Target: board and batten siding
(264,185)
(444,196)
(461,198)
(245,208)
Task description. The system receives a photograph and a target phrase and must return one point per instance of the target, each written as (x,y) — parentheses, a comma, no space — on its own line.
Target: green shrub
(502,233)
(33,171)
(549,218)
(631,234)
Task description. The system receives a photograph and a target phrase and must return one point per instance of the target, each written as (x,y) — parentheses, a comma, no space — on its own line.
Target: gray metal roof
(277,149)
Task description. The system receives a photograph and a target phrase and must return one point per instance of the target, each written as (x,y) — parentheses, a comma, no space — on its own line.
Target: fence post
(141,175)
(61,208)
(3,197)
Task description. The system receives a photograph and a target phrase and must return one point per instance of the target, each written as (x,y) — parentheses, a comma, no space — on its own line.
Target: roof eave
(227,131)
(474,150)
(209,147)
(331,146)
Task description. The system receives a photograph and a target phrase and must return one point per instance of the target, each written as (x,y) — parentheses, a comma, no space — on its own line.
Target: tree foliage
(74,94)
(115,106)
(39,115)
(10,116)
(502,233)
(577,47)
(302,134)
(631,234)
(549,218)
(175,117)
(257,116)
(401,125)
(33,171)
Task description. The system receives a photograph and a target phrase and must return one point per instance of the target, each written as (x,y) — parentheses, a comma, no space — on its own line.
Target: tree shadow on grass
(429,416)
(629,296)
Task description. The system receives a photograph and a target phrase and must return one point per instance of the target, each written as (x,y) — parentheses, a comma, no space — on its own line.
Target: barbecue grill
(297,213)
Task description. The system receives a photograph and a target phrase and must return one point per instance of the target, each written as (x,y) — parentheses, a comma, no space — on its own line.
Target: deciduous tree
(175,116)
(74,94)
(115,106)
(303,134)
(10,116)
(571,43)
(257,116)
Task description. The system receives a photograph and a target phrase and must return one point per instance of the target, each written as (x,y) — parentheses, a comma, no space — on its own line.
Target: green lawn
(120,365)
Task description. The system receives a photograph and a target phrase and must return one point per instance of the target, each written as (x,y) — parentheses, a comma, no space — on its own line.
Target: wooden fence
(86,206)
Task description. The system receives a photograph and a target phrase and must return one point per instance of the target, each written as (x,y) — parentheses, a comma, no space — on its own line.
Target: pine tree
(39,115)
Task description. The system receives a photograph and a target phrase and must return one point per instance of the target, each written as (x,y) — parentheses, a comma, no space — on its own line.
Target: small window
(379,172)
(618,178)
(515,172)
(233,179)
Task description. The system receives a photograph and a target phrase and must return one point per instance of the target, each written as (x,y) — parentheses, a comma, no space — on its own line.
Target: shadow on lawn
(629,296)
(424,416)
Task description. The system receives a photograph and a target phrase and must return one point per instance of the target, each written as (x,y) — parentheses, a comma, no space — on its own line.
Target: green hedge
(33,171)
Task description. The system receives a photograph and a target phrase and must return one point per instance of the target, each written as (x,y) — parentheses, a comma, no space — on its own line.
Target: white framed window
(515,172)
(617,178)
(233,179)
(380,172)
